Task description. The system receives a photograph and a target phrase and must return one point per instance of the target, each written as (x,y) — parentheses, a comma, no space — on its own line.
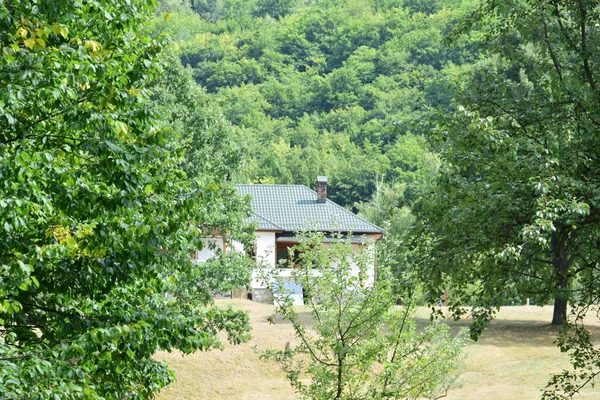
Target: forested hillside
(330,87)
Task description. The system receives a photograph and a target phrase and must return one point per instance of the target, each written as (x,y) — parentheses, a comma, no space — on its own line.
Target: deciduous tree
(516,205)
(363,70)
(99,206)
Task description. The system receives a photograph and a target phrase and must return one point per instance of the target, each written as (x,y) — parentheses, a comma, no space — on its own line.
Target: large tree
(102,195)
(516,205)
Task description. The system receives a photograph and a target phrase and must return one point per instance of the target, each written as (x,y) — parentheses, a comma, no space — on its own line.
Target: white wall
(370,248)
(265,253)
(209,249)
(367,247)
(236,246)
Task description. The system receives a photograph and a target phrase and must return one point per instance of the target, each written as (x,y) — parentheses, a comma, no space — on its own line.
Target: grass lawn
(513,360)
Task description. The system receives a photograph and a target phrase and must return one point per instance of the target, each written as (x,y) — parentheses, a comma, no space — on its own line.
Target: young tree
(359,344)
(99,207)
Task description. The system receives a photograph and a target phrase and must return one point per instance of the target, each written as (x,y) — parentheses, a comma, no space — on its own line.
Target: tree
(387,208)
(423,6)
(274,8)
(516,202)
(211,148)
(99,206)
(359,345)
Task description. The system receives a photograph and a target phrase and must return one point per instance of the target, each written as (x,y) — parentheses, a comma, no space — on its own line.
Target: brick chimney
(321,189)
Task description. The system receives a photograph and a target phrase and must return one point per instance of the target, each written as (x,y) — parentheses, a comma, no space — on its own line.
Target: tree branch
(584,55)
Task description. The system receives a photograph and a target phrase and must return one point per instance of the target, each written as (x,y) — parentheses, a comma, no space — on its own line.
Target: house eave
(355,239)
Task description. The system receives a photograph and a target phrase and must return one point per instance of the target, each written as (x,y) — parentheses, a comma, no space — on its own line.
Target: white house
(281,211)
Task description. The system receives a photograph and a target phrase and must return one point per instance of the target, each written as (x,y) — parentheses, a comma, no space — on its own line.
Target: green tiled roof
(265,224)
(294,208)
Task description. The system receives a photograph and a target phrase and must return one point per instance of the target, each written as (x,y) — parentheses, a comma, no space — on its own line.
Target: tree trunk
(559,316)
(339,378)
(560,263)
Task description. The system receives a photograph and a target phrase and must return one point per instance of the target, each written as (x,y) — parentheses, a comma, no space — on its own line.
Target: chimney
(321,189)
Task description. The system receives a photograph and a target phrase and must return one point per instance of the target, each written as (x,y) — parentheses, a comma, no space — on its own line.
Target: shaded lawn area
(513,359)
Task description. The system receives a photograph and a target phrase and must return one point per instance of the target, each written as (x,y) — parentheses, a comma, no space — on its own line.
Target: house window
(285,255)
(251,252)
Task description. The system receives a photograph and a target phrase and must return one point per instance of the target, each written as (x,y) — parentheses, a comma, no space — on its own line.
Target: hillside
(337,88)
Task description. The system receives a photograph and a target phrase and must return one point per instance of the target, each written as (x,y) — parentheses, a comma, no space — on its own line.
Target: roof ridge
(268,220)
(271,184)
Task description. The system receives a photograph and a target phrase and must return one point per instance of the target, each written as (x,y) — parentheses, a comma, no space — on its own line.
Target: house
(281,211)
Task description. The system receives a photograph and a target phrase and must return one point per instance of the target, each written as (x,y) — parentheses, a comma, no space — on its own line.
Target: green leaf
(30,43)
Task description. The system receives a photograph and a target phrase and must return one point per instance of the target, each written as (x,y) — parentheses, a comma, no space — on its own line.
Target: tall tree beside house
(388,208)
(99,205)
(517,200)
(211,148)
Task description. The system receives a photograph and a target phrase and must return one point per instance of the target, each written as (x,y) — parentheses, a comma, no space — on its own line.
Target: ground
(513,360)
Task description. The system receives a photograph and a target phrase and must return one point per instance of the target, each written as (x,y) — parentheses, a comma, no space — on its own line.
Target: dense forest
(336,88)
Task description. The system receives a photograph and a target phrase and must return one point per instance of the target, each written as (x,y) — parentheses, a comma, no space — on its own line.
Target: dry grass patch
(236,372)
(513,360)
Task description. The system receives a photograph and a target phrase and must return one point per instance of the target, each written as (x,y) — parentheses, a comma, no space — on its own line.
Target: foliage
(423,6)
(211,148)
(275,8)
(360,345)
(387,209)
(336,88)
(575,339)
(516,201)
(99,204)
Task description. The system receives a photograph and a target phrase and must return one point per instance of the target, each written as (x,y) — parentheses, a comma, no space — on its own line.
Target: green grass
(513,360)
